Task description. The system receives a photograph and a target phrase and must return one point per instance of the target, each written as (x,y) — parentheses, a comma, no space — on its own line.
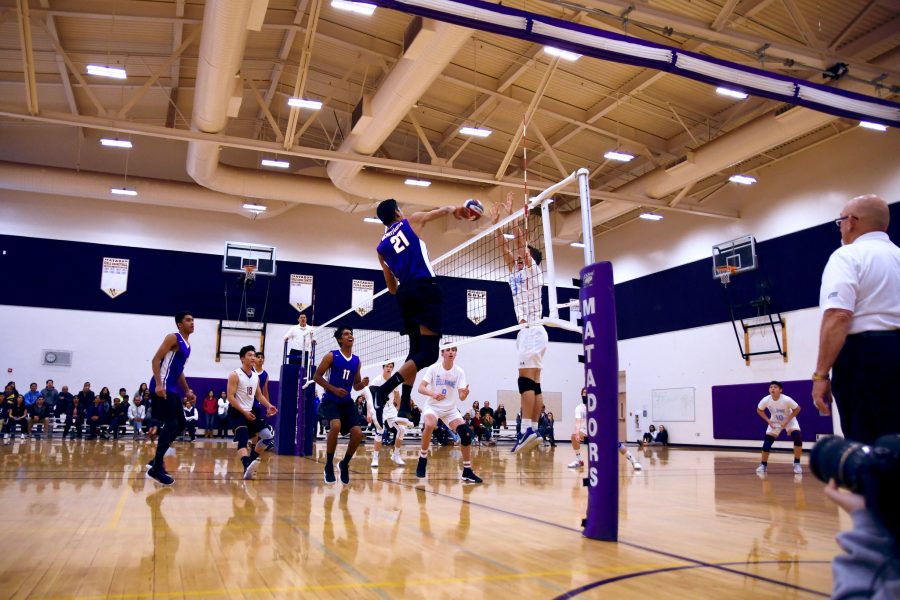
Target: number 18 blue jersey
(405,254)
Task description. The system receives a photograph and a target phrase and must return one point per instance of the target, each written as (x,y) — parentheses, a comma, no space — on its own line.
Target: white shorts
(792,425)
(531,344)
(447,415)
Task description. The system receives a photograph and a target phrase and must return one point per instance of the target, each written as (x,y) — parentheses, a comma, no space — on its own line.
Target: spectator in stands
(500,417)
(51,396)
(486,410)
(477,426)
(441,434)
(222,414)
(415,414)
(6,403)
(97,418)
(662,438)
(40,413)
(14,389)
(140,392)
(86,396)
(17,417)
(549,432)
(191,418)
(648,437)
(361,408)
(105,396)
(151,425)
(488,422)
(9,395)
(543,424)
(118,414)
(518,423)
(476,409)
(63,402)
(136,414)
(210,408)
(74,417)
(31,395)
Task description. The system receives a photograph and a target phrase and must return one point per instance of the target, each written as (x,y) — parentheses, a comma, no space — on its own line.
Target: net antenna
(475,260)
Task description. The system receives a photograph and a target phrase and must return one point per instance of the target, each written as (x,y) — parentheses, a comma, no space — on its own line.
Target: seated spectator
(105,397)
(17,416)
(51,396)
(63,402)
(86,396)
(136,414)
(210,408)
(40,418)
(549,431)
(415,414)
(500,417)
(441,434)
(31,395)
(486,410)
(662,438)
(191,419)
(118,414)
(74,417)
(648,437)
(97,419)
(222,415)
(140,392)
(488,422)
(477,427)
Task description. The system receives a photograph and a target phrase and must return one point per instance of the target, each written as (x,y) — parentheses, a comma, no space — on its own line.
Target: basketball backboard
(738,254)
(240,254)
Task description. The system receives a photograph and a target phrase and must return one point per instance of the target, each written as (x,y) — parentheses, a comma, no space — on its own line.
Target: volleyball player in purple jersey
(407,272)
(166,387)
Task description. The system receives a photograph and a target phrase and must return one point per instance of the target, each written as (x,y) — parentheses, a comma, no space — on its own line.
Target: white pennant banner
(362,296)
(114,276)
(301,291)
(476,305)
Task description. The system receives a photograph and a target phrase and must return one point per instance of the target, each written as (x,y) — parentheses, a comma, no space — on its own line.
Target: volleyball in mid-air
(475,208)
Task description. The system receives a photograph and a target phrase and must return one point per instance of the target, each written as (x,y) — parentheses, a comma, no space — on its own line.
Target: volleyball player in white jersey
(526,281)
(385,417)
(444,385)
(243,387)
(580,435)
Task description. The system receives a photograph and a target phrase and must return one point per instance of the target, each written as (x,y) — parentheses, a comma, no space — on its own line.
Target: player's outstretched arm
(502,245)
(232,400)
(389,278)
(169,342)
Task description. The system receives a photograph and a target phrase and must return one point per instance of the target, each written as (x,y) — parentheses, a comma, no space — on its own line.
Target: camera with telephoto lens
(871,471)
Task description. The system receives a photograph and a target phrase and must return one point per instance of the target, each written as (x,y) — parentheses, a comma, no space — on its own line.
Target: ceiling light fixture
(742,179)
(301,103)
(475,131)
(651,217)
(873,126)
(723,91)
(619,156)
(101,71)
(360,8)
(418,182)
(115,143)
(280,164)
(372,220)
(257,208)
(122,192)
(509,236)
(563,54)
(577,245)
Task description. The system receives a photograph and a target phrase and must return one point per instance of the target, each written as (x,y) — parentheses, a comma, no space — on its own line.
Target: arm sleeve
(840,284)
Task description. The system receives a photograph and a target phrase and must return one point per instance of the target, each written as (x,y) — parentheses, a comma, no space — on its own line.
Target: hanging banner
(476,305)
(361,301)
(114,276)
(301,291)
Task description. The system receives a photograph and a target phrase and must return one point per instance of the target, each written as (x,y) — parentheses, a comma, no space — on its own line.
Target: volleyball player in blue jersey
(166,387)
(408,274)
(343,369)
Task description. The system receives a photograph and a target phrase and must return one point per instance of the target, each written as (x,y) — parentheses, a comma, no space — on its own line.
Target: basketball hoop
(249,272)
(724,273)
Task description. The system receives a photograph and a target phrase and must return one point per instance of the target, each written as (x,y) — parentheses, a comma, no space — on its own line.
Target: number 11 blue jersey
(405,254)
(342,375)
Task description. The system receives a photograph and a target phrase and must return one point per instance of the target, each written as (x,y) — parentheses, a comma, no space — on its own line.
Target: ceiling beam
(154,77)
(309,40)
(880,34)
(61,67)
(24,23)
(724,14)
(802,26)
(853,23)
(74,70)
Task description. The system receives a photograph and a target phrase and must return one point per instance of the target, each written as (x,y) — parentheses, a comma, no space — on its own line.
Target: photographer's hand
(821,395)
(847,500)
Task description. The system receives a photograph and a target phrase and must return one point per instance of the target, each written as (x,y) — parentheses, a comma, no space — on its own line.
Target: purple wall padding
(735,418)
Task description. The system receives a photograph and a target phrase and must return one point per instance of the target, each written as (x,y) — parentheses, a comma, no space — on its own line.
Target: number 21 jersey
(405,254)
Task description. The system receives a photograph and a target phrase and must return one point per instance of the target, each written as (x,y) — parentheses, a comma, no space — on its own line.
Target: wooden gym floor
(80,520)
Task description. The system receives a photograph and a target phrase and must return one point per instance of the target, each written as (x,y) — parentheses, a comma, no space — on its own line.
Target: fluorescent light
(115,143)
(577,245)
(875,126)
(360,8)
(255,207)
(651,217)
(101,71)
(475,131)
(563,54)
(281,164)
(373,220)
(742,179)
(418,182)
(122,192)
(509,236)
(619,156)
(301,103)
(722,91)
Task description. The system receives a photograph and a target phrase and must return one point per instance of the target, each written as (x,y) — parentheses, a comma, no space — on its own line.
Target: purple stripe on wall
(735,418)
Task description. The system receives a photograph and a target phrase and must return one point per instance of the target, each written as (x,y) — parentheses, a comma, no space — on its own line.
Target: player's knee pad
(266,433)
(537,388)
(526,384)
(241,436)
(428,352)
(465,435)
(767,443)
(797,437)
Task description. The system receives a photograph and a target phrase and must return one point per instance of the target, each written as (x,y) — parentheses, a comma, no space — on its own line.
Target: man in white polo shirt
(300,341)
(860,334)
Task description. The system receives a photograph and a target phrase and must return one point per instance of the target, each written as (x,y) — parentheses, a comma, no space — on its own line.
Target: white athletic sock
(423,453)
(578,456)
(526,423)
(467,464)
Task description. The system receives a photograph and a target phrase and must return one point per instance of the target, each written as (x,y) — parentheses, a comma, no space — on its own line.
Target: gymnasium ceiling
(582,109)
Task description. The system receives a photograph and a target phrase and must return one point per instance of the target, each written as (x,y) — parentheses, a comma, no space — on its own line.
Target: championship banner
(476,305)
(114,276)
(361,301)
(301,290)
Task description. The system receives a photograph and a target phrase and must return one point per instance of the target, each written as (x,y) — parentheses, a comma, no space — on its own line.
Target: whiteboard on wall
(673,404)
